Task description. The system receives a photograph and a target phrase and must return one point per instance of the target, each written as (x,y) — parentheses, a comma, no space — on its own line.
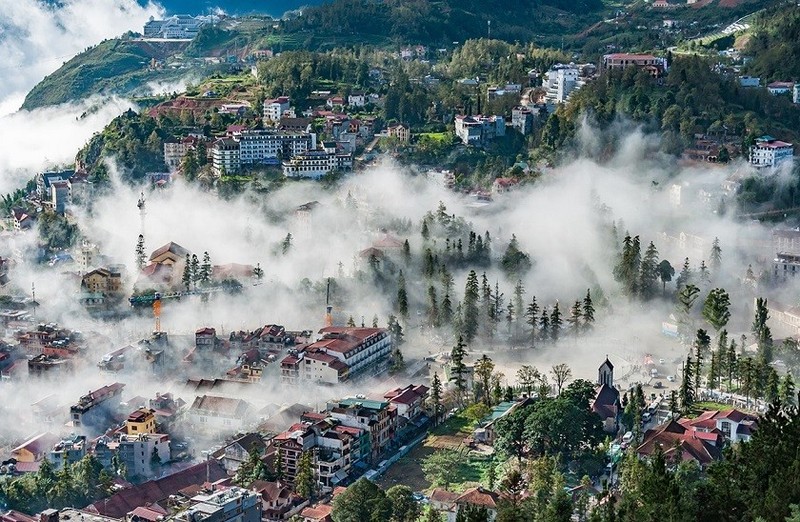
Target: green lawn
(437,136)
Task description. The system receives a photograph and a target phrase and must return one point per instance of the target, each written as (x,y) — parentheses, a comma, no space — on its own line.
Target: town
(362,262)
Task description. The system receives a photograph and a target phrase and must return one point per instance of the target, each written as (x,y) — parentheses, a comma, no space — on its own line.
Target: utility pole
(489,28)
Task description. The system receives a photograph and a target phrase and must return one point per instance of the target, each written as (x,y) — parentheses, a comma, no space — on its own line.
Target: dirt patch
(408,470)
(452,442)
(729,3)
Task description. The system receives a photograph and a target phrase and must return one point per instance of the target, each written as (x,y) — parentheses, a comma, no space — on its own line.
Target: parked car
(658,384)
(671,378)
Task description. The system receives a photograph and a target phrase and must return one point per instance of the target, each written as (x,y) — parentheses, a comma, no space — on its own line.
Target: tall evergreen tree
(470,307)
(186,279)
(686,390)
(458,368)
(555,323)
(195,269)
(532,319)
(588,311)
(402,296)
(437,407)
(433,307)
(648,273)
(686,276)
(762,332)
(141,257)
(715,259)
(574,320)
(304,482)
(446,311)
(544,325)
(519,307)
(205,269)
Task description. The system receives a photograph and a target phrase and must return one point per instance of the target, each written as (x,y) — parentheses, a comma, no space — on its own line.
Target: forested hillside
(775,46)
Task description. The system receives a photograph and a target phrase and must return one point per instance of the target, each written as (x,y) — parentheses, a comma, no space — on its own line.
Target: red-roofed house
(278,500)
(734,425)
(410,401)
(655,66)
(318,513)
(35,448)
(680,443)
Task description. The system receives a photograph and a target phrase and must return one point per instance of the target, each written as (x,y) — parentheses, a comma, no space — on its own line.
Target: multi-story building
(136,452)
(174,151)
(106,281)
(43,364)
(141,421)
(268,146)
(67,452)
(522,119)
(769,152)
(479,130)
(785,265)
(374,416)
(560,82)
(653,65)
(45,179)
(176,27)
(209,412)
(60,195)
(399,131)
(93,409)
(274,109)
(341,353)
(225,156)
(786,240)
(205,338)
(231,504)
(316,164)
(409,401)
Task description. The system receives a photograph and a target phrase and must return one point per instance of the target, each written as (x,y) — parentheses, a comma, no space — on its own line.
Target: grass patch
(453,426)
(442,137)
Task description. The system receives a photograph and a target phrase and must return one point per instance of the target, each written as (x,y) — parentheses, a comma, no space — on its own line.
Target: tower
(605,374)
(328,307)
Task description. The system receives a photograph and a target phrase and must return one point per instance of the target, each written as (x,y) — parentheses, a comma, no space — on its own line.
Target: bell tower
(605,374)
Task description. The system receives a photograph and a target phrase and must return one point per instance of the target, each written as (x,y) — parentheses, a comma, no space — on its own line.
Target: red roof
(318,513)
(677,441)
(629,56)
(479,497)
(206,331)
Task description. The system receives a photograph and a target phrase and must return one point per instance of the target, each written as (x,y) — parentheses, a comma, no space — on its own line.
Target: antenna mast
(328,307)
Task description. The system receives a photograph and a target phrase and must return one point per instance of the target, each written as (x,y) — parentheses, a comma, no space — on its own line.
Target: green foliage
(441,467)
(56,232)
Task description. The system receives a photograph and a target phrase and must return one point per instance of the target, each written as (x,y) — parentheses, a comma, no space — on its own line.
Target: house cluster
(177,27)
(655,66)
(54,192)
(776,88)
(340,354)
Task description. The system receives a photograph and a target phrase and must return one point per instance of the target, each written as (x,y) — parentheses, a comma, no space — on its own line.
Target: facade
(786,240)
(205,339)
(175,27)
(174,151)
(522,120)
(238,451)
(560,82)
(269,145)
(653,65)
(680,443)
(479,130)
(785,265)
(34,449)
(341,353)
(749,81)
(316,164)
(104,281)
(228,505)
(796,93)
(45,179)
(225,156)
(779,88)
(400,131)
(409,401)
(356,99)
(136,452)
(769,152)
(376,417)
(141,421)
(209,412)
(274,109)
(93,409)
(60,195)
(606,403)
(734,425)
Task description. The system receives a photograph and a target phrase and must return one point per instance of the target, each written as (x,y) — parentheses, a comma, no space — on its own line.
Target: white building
(479,130)
(275,109)
(60,195)
(174,151)
(769,152)
(778,88)
(785,265)
(136,452)
(560,81)
(228,505)
(213,413)
(179,27)
(522,119)
(796,93)
(225,156)
(316,163)
(356,99)
(269,145)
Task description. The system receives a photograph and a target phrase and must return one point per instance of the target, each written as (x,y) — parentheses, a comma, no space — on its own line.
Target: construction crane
(157,313)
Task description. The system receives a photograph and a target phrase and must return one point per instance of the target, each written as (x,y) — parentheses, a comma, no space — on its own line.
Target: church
(606,403)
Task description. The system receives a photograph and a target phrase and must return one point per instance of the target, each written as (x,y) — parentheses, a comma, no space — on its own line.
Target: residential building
(278,500)
(231,504)
(165,406)
(560,82)
(356,99)
(409,401)
(450,504)
(734,425)
(375,416)
(34,449)
(681,444)
(779,88)
(170,254)
(175,150)
(503,185)
(399,131)
(341,353)
(522,120)
(233,454)
(606,403)
(786,240)
(206,339)
(43,364)
(60,196)
(105,281)
(787,317)
(225,157)
(275,108)
(785,265)
(159,490)
(479,130)
(653,65)
(136,452)
(141,421)
(67,452)
(45,179)
(209,412)
(22,220)
(487,433)
(93,411)
(295,125)
(769,152)
(316,164)
(749,81)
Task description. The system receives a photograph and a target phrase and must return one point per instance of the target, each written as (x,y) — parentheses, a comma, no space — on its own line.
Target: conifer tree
(686,276)
(287,243)
(687,386)
(519,306)
(187,273)
(433,307)
(715,259)
(205,269)
(544,325)
(532,319)
(470,307)
(446,311)
(402,296)
(458,368)
(648,274)
(588,311)
(436,399)
(555,323)
(141,257)
(574,320)
(195,269)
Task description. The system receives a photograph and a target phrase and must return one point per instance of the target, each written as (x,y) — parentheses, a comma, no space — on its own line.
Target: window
(725,427)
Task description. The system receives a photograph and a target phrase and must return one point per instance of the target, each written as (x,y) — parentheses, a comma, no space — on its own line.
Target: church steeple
(605,374)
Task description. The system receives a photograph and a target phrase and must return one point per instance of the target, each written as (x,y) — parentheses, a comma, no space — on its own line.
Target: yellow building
(103,281)
(141,421)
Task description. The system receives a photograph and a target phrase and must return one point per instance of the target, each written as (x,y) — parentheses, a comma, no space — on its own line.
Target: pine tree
(715,259)
(519,307)
(446,311)
(470,308)
(648,274)
(555,323)
(705,277)
(731,363)
(458,368)
(687,386)
(279,465)
(375,321)
(426,233)
(686,299)
(436,399)
(195,269)
(287,243)
(304,481)
(402,296)
(762,332)
(141,257)
(544,325)
(395,330)
(574,320)
(786,390)
(588,311)
(685,277)
(483,371)
(532,319)
(447,280)
(187,273)
(406,252)
(205,269)
(258,273)
(433,307)
(511,314)
(702,345)
(351,323)
(716,308)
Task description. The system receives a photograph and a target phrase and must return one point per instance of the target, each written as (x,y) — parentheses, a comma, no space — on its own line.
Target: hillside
(234,7)
(113,66)
(774,48)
